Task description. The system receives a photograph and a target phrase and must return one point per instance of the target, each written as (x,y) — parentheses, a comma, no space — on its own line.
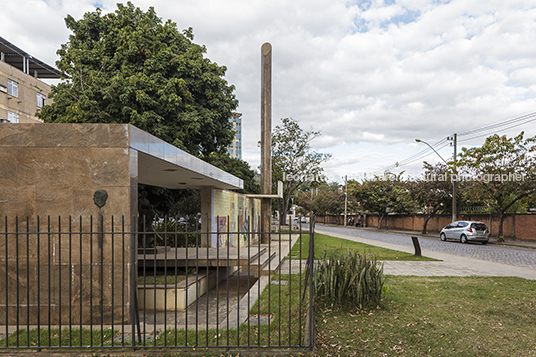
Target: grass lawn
(329,243)
(437,316)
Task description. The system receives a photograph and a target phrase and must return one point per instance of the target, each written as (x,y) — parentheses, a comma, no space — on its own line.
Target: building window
(12,117)
(41,100)
(12,88)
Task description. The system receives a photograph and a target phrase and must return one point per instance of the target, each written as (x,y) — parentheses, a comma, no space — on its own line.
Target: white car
(300,219)
(465,231)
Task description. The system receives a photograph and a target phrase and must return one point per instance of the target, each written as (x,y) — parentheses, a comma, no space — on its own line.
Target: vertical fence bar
(175,246)
(7,285)
(196,286)
(49,282)
(17,272)
(81,238)
(123,281)
(207,280)
(38,225)
(249,284)
(59,280)
(290,285)
(282,259)
(91,280)
(133,283)
(311,272)
(165,278)
(144,291)
(28,281)
(70,283)
(217,289)
(228,268)
(238,290)
(269,283)
(259,286)
(187,243)
(300,300)
(100,238)
(112,262)
(154,277)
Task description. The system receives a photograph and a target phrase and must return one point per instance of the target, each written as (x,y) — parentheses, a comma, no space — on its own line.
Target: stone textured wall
(48,176)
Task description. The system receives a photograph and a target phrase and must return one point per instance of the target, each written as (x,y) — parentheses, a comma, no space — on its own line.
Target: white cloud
(370,75)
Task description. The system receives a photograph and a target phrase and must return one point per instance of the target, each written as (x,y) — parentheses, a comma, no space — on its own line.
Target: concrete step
(265,264)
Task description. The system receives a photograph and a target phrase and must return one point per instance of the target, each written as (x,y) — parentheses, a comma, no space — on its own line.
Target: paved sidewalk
(450,264)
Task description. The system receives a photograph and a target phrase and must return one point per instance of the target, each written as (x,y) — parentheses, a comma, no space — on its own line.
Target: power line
(479,132)
(514,123)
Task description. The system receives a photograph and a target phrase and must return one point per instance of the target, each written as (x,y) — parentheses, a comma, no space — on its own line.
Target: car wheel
(484,243)
(443,237)
(463,238)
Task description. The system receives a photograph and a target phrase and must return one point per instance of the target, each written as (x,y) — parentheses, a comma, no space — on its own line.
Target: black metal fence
(98,283)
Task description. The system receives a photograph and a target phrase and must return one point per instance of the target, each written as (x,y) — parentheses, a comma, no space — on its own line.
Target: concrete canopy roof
(164,165)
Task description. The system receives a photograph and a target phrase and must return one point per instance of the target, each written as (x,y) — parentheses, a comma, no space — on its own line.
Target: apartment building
(235,150)
(22,91)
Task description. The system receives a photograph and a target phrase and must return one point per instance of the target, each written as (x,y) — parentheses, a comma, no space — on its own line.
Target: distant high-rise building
(235,150)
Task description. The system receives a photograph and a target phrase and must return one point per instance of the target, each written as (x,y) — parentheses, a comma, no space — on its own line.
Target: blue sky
(371,76)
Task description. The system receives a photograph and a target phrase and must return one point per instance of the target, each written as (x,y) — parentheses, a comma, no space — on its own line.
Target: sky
(372,76)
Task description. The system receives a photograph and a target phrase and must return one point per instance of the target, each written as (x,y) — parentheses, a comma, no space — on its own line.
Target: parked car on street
(466,231)
(300,219)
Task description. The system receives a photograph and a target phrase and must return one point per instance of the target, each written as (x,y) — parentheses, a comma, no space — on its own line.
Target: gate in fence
(98,283)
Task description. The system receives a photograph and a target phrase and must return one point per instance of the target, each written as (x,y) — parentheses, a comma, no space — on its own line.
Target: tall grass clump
(349,280)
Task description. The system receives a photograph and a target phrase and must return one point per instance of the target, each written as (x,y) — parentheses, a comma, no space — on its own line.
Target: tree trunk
(501,219)
(282,212)
(428,217)
(425,224)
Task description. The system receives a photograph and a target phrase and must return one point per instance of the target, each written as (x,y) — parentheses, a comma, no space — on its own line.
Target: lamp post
(454,185)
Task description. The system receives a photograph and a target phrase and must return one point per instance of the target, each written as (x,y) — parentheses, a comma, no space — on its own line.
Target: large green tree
(383,195)
(130,67)
(503,170)
(293,160)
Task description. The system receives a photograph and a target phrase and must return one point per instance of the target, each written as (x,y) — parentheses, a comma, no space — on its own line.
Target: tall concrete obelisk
(266,140)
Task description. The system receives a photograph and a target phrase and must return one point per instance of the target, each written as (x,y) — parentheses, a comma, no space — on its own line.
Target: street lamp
(454,186)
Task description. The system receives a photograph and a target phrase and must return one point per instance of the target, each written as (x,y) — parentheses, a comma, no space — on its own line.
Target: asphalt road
(522,257)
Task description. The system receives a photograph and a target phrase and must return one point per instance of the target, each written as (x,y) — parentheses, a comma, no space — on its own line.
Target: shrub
(349,280)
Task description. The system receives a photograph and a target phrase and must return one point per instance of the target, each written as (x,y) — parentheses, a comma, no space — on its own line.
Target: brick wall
(519,226)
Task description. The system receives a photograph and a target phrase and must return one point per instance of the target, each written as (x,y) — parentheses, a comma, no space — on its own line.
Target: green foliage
(293,160)
(382,194)
(350,280)
(503,171)
(177,234)
(238,168)
(130,67)
(327,199)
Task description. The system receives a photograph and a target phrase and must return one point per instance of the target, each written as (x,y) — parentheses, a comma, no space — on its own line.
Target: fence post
(310,343)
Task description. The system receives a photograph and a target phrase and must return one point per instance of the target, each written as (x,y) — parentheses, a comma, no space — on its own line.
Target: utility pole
(454,183)
(345,198)
(266,141)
